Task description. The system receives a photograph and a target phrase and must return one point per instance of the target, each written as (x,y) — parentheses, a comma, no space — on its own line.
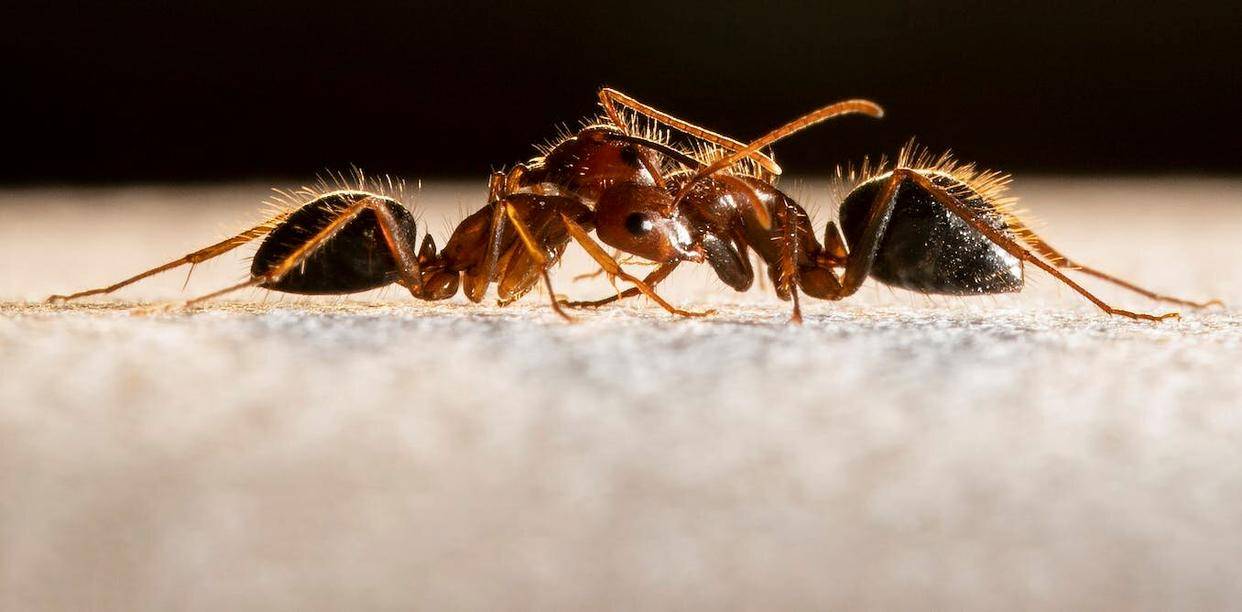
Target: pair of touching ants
(657,188)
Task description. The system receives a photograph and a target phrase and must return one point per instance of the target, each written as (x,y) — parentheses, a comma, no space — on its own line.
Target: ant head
(636,219)
(586,163)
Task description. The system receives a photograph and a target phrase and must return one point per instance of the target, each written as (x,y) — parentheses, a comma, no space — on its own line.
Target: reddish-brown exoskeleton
(925,224)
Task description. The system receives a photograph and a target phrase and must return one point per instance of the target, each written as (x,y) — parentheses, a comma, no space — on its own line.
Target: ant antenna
(608,95)
(666,150)
(846,107)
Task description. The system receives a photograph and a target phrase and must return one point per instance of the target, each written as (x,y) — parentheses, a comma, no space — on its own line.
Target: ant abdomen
(926,247)
(354,257)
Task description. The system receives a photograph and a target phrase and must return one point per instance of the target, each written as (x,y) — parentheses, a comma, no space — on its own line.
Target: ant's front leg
(612,267)
(789,277)
(511,242)
(652,279)
(616,254)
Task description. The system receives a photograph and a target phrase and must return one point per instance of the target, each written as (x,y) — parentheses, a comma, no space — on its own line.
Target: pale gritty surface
(897,451)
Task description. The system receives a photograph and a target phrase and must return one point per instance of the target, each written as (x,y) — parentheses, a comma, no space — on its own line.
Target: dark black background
(223,89)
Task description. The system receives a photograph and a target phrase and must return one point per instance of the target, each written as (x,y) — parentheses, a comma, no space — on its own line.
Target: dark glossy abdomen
(356,259)
(929,249)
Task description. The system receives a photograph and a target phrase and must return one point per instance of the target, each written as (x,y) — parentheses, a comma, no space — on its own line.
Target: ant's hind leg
(612,267)
(192,259)
(1011,245)
(1061,261)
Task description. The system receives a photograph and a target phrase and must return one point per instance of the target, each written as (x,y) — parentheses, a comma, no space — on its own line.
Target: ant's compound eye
(638,224)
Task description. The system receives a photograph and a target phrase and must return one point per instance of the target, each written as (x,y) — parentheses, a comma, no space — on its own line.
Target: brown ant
(930,225)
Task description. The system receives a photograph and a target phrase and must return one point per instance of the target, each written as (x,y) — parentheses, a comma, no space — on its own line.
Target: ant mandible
(926,224)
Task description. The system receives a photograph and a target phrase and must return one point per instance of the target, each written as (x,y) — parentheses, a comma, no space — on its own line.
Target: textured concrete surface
(897,451)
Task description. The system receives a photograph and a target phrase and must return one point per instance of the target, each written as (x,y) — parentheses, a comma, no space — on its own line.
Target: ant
(926,224)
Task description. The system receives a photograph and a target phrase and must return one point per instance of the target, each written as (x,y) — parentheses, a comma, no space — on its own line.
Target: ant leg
(789,262)
(194,258)
(861,258)
(608,97)
(1010,245)
(858,263)
(600,256)
(252,282)
(536,253)
(834,243)
(495,186)
(500,184)
(652,279)
(1061,261)
(589,275)
(407,262)
(409,270)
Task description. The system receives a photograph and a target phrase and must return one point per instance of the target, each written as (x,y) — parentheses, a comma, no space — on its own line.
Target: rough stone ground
(896,451)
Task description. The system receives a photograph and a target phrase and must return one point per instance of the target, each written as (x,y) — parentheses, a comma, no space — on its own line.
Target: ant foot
(694,313)
(580,305)
(589,275)
(156,309)
(58,300)
(1145,317)
(563,315)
